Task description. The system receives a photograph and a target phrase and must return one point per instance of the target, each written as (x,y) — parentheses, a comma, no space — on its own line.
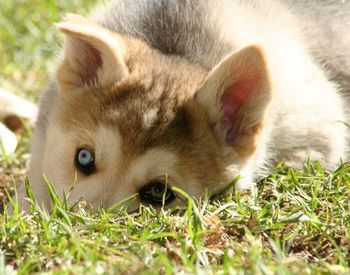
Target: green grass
(28,40)
(292,223)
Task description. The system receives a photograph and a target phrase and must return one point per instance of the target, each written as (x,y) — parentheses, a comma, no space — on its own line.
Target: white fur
(307,108)
(149,117)
(8,140)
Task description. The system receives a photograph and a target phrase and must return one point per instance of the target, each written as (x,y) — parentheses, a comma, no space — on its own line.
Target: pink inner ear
(90,62)
(233,99)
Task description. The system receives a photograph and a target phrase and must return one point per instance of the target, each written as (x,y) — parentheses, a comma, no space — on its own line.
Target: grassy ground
(294,222)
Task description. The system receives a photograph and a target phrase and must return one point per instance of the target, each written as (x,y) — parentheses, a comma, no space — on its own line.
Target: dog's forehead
(147,116)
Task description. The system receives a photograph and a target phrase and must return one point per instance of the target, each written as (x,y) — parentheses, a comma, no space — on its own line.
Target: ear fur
(93,55)
(235,96)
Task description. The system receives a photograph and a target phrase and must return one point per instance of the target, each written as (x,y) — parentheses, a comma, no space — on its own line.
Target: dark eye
(84,160)
(155,192)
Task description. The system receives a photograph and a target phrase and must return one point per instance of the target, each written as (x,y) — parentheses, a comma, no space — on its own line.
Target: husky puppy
(151,94)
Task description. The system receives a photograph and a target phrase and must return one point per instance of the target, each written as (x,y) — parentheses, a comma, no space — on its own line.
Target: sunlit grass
(296,222)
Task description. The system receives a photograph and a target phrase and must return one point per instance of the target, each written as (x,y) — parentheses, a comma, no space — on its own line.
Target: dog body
(13,109)
(191,94)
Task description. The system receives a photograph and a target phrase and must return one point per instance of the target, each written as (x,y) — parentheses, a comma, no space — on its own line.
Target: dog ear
(235,96)
(93,55)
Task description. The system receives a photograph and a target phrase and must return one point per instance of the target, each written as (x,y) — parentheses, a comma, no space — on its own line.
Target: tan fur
(149,115)
(177,120)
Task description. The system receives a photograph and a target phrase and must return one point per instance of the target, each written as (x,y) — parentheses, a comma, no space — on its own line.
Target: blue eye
(84,160)
(85,157)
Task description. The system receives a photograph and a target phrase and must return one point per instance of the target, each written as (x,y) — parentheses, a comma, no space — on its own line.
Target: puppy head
(128,120)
